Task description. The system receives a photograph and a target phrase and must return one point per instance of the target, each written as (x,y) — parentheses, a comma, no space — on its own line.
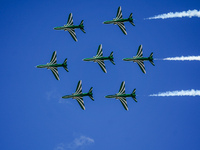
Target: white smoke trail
(189,13)
(183,58)
(191,92)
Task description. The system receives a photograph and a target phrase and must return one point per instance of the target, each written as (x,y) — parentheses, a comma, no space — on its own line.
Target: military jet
(78,95)
(120,21)
(122,96)
(139,59)
(53,65)
(100,59)
(70,27)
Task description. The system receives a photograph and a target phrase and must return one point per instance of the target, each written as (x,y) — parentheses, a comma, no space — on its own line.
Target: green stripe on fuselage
(77,95)
(50,65)
(96,58)
(122,95)
(138,58)
(115,21)
(67,27)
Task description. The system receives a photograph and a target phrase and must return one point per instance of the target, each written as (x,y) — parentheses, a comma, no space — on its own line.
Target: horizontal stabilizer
(131,19)
(82,27)
(91,94)
(65,65)
(131,15)
(90,91)
(133,93)
(111,58)
(151,55)
(151,61)
(65,61)
(134,99)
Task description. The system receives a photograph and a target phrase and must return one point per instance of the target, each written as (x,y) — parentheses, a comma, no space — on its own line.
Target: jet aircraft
(70,27)
(120,21)
(53,65)
(78,95)
(100,59)
(122,96)
(139,59)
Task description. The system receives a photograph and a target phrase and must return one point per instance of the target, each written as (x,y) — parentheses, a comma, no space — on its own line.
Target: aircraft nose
(38,66)
(85,59)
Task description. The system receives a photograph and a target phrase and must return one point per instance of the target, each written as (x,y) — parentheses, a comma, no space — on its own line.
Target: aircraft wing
(139,52)
(53,58)
(100,51)
(124,103)
(79,87)
(122,88)
(141,65)
(73,34)
(81,102)
(122,27)
(55,72)
(119,13)
(102,65)
(70,20)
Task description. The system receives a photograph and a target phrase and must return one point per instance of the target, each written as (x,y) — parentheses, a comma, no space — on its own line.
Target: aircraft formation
(99,58)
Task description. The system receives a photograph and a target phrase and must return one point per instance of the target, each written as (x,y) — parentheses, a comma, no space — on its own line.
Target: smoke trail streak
(183,58)
(189,13)
(191,92)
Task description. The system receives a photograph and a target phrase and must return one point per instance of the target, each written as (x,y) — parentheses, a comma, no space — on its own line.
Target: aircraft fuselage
(121,95)
(67,27)
(138,58)
(96,58)
(74,96)
(114,21)
(50,65)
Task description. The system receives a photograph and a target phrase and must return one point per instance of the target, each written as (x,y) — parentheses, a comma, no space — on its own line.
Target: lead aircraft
(139,59)
(120,21)
(53,65)
(70,27)
(78,95)
(122,96)
(100,59)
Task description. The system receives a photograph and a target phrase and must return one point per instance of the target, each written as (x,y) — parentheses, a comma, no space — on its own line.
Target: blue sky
(34,116)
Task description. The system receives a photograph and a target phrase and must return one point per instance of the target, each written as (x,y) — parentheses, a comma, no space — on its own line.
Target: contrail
(191,92)
(183,58)
(189,13)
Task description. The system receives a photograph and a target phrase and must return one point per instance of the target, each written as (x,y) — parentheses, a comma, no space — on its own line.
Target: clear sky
(33,115)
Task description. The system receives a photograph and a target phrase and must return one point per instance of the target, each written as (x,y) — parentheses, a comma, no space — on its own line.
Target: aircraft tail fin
(82,27)
(133,95)
(91,94)
(65,65)
(151,59)
(131,19)
(111,58)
